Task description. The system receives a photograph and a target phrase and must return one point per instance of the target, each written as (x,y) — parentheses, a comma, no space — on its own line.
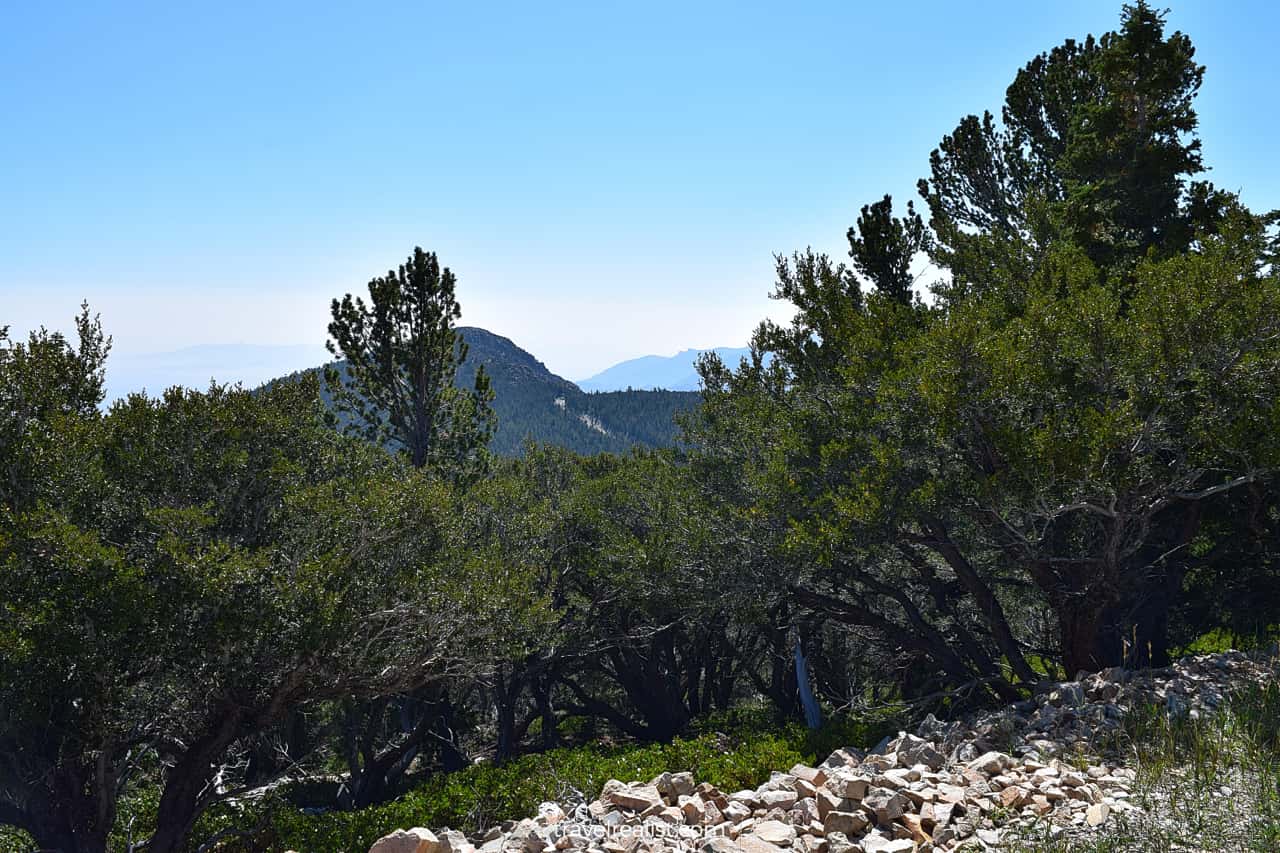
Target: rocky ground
(1045,773)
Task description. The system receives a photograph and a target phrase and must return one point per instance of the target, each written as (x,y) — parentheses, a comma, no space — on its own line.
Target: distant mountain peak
(651,372)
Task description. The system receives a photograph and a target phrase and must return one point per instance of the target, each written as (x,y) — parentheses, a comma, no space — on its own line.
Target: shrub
(483,795)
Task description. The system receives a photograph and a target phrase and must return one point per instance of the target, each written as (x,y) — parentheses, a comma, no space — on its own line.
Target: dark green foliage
(183,574)
(1095,146)
(1129,148)
(45,382)
(1067,460)
(883,247)
(1038,461)
(401,353)
(648,419)
(1233,582)
(1061,441)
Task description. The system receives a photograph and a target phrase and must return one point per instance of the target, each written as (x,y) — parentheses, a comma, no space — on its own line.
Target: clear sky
(607,180)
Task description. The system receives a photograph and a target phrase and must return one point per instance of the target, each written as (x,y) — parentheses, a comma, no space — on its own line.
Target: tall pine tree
(402,353)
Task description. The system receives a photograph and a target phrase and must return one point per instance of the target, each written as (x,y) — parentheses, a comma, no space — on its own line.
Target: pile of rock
(903,798)
(1075,717)
(951,785)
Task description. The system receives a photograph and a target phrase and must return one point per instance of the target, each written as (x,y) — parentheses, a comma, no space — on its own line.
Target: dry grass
(1209,784)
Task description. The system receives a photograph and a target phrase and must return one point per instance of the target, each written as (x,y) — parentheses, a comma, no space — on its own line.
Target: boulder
(452,841)
(750,843)
(851,788)
(886,805)
(915,827)
(940,814)
(1013,797)
(634,797)
(877,843)
(827,801)
(673,785)
(416,840)
(812,775)
(775,832)
(913,750)
(695,810)
(842,758)
(780,799)
(846,823)
(524,838)
(838,842)
(990,763)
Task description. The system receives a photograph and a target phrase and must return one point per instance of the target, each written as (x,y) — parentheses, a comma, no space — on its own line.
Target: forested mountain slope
(532,403)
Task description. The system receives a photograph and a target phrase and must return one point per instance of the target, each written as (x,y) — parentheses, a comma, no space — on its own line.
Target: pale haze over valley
(254,364)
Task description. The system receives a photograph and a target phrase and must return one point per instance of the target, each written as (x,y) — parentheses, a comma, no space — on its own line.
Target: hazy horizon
(254,364)
(218,175)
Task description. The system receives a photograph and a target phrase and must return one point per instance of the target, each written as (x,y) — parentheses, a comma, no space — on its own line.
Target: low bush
(483,795)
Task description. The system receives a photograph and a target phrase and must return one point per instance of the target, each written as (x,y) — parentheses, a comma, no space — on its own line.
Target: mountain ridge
(647,372)
(531,402)
(534,404)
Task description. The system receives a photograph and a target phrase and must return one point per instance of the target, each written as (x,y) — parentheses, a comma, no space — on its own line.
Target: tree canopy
(1031,430)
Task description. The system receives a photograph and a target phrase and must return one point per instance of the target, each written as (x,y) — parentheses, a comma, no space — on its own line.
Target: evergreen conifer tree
(402,352)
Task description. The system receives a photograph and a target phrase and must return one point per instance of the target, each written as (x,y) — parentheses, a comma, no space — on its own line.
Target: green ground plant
(731,751)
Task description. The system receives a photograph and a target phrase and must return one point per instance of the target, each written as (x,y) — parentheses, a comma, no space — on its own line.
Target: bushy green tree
(651,624)
(964,509)
(838,484)
(182,574)
(1097,426)
(1095,144)
(46,382)
(883,248)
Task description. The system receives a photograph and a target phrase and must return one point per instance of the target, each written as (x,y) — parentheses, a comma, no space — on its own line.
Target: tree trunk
(1134,633)
(53,836)
(542,697)
(68,816)
(652,689)
(783,690)
(186,788)
(452,757)
(1087,643)
(56,830)
(1151,617)
(506,694)
(988,605)
(812,713)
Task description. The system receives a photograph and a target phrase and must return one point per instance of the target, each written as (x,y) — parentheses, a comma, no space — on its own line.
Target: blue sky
(607,180)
